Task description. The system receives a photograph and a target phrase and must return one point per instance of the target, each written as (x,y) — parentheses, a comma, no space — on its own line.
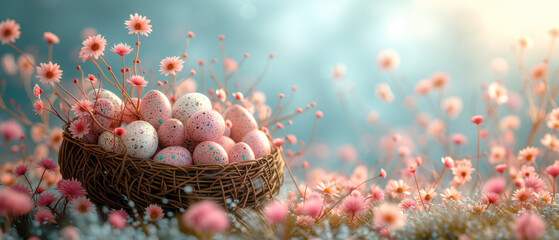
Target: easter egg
(240,152)
(243,122)
(129,111)
(258,142)
(155,108)
(209,152)
(111,143)
(141,139)
(103,112)
(205,125)
(225,142)
(106,94)
(189,104)
(171,133)
(174,155)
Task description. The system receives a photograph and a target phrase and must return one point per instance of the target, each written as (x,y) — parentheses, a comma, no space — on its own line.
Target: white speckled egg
(174,155)
(189,104)
(155,108)
(225,142)
(130,110)
(242,120)
(141,139)
(205,125)
(258,142)
(171,133)
(209,152)
(106,94)
(103,112)
(111,143)
(240,152)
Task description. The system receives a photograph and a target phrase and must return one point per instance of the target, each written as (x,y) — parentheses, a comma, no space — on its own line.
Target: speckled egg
(258,142)
(205,125)
(209,152)
(240,152)
(106,94)
(174,155)
(104,112)
(171,133)
(190,144)
(225,142)
(155,108)
(189,104)
(141,139)
(130,110)
(111,143)
(243,122)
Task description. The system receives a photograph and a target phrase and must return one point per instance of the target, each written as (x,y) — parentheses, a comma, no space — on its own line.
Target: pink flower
(221,95)
(552,170)
(528,226)
(137,81)
(311,207)
(491,198)
(38,107)
(497,154)
(93,46)
(423,87)
(439,80)
(494,185)
(376,193)
(278,142)
(319,114)
(275,212)
(528,154)
(120,131)
(448,162)
(91,78)
(121,49)
(398,189)
(47,164)
(82,108)
(138,24)
(354,205)
(37,91)
(498,92)
(534,182)
(154,212)
(18,187)
(15,203)
(206,216)
(230,65)
(171,65)
(388,60)
(328,188)
(347,153)
(81,206)
(477,119)
(523,196)
(79,128)
(426,195)
(384,93)
(538,71)
(382,173)
(51,38)
(70,189)
(238,96)
(407,203)
(458,138)
(44,216)
(49,73)
(9,31)
(120,212)
(500,168)
(21,170)
(462,171)
(46,199)
(117,220)
(451,194)
(390,216)
(69,233)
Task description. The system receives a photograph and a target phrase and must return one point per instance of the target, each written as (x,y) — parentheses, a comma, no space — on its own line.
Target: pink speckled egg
(111,143)
(209,152)
(189,104)
(129,110)
(205,125)
(103,112)
(174,155)
(258,142)
(225,142)
(240,152)
(105,94)
(155,108)
(141,139)
(171,133)
(243,122)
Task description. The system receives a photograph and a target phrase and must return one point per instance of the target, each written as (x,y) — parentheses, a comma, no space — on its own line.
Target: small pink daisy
(154,212)
(21,170)
(70,189)
(38,107)
(47,164)
(120,212)
(328,188)
(397,189)
(81,206)
(534,182)
(92,78)
(451,194)
(523,196)
(528,226)
(81,108)
(426,195)
(354,205)
(407,203)
(93,47)
(51,38)
(390,216)
(49,73)
(116,220)
(46,199)
(275,212)
(44,216)
(37,90)
(20,188)
(137,81)
(9,31)
(79,128)
(171,65)
(121,49)
(206,217)
(528,154)
(138,24)
(491,198)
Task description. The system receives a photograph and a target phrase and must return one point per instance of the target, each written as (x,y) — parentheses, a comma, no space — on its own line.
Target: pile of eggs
(185,133)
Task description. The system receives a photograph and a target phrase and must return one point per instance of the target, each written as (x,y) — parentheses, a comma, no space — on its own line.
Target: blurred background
(309,38)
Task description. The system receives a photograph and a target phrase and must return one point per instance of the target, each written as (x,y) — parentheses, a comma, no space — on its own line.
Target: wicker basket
(112,180)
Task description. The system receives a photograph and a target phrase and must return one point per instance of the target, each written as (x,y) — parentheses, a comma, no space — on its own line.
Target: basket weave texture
(114,180)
